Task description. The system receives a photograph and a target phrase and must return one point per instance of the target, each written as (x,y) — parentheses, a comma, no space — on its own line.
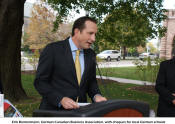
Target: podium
(110,108)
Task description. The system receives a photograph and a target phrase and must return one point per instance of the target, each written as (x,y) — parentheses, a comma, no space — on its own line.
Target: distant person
(165,86)
(67,69)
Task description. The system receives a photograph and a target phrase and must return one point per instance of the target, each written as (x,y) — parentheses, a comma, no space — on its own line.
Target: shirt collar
(73,46)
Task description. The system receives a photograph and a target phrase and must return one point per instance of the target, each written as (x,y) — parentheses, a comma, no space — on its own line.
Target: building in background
(167,45)
(27,14)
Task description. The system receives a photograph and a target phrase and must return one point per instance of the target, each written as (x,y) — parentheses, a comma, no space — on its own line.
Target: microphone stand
(102,81)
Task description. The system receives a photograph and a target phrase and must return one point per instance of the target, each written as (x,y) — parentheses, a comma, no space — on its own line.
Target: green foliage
(128,26)
(25,37)
(25,47)
(141,68)
(148,69)
(147,9)
(132,50)
(63,8)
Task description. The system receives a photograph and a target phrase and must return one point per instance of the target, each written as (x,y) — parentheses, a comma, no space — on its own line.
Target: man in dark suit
(165,86)
(56,77)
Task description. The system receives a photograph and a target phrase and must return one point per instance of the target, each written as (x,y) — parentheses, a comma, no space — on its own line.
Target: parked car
(108,55)
(146,55)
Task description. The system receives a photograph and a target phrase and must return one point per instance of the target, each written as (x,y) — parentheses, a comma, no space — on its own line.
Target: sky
(167,4)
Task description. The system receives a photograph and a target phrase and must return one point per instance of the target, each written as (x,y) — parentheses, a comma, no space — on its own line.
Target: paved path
(122,63)
(122,80)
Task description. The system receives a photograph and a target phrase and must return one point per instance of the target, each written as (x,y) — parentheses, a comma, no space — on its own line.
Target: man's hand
(173,102)
(174,99)
(68,103)
(99,98)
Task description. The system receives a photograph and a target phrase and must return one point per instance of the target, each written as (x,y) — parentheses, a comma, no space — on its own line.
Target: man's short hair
(80,23)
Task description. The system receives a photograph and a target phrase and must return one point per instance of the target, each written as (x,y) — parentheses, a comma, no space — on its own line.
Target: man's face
(86,37)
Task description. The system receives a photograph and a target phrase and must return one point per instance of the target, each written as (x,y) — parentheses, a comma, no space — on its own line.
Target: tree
(11,21)
(149,9)
(151,47)
(141,49)
(125,32)
(127,27)
(132,51)
(40,31)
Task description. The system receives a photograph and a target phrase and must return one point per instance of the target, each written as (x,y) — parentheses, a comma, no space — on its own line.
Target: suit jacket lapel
(86,64)
(70,61)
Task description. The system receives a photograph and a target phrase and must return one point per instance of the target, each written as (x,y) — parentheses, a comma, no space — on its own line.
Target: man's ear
(76,31)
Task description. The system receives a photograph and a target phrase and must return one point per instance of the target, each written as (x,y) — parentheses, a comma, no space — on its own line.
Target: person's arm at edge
(161,83)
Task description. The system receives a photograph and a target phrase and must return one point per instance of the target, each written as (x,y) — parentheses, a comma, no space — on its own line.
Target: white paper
(1,105)
(83,104)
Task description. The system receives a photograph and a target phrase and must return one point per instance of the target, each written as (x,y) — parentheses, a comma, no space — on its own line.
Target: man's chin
(87,47)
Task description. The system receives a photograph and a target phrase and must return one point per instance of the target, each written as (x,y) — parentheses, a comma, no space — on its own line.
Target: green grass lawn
(110,90)
(123,91)
(126,72)
(26,107)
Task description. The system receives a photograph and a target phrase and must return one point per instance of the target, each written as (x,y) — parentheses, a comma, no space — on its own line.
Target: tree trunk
(124,52)
(11,21)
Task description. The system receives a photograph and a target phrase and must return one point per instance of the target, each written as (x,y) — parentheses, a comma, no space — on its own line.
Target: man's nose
(93,37)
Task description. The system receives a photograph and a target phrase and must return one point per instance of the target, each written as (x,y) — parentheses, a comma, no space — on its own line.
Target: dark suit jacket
(1,91)
(56,76)
(165,86)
